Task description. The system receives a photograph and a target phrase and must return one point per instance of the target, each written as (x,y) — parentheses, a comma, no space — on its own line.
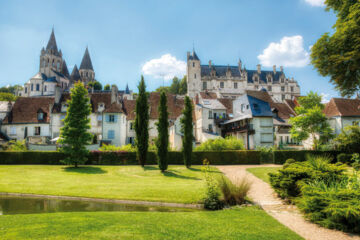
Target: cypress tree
(142,123)
(162,141)
(74,135)
(187,130)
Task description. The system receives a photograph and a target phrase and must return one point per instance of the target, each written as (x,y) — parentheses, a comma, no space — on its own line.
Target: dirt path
(289,215)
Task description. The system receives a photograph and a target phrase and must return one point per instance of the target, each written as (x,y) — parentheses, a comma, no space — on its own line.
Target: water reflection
(23,205)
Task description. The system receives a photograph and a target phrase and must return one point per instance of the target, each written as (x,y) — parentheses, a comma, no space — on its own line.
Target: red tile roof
(208,95)
(342,107)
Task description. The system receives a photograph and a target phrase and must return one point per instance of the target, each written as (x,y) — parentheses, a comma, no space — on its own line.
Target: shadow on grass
(85,170)
(194,169)
(172,174)
(150,168)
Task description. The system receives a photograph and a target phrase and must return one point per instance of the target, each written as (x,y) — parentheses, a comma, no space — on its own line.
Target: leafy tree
(162,141)
(11,89)
(349,139)
(177,86)
(337,55)
(74,135)
(183,86)
(187,130)
(163,89)
(107,87)
(142,123)
(6,96)
(310,121)
(97,85)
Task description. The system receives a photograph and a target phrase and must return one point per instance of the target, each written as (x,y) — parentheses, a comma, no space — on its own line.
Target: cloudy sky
(130,38)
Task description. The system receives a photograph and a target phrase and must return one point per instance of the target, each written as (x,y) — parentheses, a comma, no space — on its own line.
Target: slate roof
(127,91)
(259,108)
(235,72)
(51,79)
(342,107)
(193,56)
(52,46)
(86,61)
(75,75)
(65,70)
(25,110)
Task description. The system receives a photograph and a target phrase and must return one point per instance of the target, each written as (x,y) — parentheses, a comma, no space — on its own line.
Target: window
(193,64)
(204,85)
(269,88)
(291,89)
(37,87)
(283,89)
(281,139)
(53,63)
(26,90)
(37,131)
(111,134)
(256,87)
(131,125)
(32,87)
(282,80)
(287,139)
(210,128)
(283,97)
(45,88)
(235,85)
(58,65)
(194,75)
(111,118)
(242,107)
(44,63)
(12,130)
(62,117)
(210,114)
(247,106)
(256,106)
(40,116)
(99,118)
(131,140)
(256,79)
(221,84)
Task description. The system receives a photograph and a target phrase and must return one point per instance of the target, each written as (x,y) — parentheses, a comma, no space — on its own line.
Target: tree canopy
(310,121)
(337,55)
(6,96)
(97,85)
(177,86)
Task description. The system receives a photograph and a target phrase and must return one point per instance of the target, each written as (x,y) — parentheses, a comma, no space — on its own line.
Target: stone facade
(232,81)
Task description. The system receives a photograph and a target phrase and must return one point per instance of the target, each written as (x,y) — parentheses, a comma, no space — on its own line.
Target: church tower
(86,70)
(51,57)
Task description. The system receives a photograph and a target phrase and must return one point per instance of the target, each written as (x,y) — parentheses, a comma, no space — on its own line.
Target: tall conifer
(187,130)
(162,141)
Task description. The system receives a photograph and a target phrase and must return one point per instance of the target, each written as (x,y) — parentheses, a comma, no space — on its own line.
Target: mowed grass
(178,184)
(248,223)
(263,172)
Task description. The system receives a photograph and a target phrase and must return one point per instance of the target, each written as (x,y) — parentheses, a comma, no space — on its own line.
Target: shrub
(221,144)
(212,197)
(356,161)
(266,154)
(16,146)
(109,148)
(334,204)
(288,162)
(233,193)
(344,158)
(286,182)
(349,139)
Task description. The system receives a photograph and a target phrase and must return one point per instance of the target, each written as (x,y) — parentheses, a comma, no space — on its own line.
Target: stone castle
(233,81)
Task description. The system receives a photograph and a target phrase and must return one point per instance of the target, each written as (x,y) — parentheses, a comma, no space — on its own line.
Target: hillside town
(252,105)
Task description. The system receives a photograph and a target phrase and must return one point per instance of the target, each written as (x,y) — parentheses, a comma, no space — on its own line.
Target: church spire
(52,46)
(127,91)
(86,61)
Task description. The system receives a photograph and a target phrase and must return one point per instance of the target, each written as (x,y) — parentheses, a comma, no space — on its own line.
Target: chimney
(258,68)
(58,91)
(281,68)
(239,64)
(188,55)
(114,94)
(209,63)
(274,69)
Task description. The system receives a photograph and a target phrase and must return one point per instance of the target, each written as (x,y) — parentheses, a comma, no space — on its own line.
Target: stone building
(53,72)
(232,81)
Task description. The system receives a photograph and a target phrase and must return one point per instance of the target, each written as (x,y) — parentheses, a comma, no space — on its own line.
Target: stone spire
(127,91)
(64,70)
(86,61)
(75,75)
(52,46)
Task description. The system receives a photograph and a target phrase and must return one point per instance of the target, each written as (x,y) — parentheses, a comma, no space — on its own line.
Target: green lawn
(245,223)
(262,172)
(120,182)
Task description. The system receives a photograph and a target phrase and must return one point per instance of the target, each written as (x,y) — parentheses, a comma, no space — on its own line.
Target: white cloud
(316,3)
(166,67)
(289,52)
(325,97)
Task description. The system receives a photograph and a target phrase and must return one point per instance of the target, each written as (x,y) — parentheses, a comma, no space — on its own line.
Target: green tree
(11,89)
(142,123)
(6,96)
(310,121)
(183,86)
(163,89)
(175,86)
(97,85)
(187,130)
(162,141)
(349,139)
(107,87)
(337,55)
(74,135)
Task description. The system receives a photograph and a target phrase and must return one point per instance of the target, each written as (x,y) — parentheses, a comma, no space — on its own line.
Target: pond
(25,205)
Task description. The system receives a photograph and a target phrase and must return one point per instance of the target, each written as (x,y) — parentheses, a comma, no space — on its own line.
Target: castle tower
(86,70)
(193,73)
(51,57)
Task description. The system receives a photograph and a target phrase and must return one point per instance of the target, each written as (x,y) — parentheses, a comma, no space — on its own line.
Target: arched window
(53,63)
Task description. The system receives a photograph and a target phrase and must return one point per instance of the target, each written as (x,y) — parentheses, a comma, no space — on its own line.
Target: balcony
(237,128)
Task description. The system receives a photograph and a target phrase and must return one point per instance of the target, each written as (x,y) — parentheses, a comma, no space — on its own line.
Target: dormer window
(282,80)
(40,115)
(269,79)
(101,107)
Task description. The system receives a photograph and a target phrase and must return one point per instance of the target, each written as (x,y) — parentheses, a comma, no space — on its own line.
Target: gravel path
(262,194)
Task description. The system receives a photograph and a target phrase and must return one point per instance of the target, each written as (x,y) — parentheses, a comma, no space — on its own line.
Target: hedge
(129,158)
(280,156)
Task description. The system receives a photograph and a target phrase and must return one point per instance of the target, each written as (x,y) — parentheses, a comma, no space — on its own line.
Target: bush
(356,161)
(280,156)
(266,154)
(16,146)
(288,162)
(334,204)
(345,158)
(124,148)
(349,139)
(31,157)
(233,193)
(286,182)
(212,197)
(221,144)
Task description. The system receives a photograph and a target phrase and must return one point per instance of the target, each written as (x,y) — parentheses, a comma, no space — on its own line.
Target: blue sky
(128,38)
